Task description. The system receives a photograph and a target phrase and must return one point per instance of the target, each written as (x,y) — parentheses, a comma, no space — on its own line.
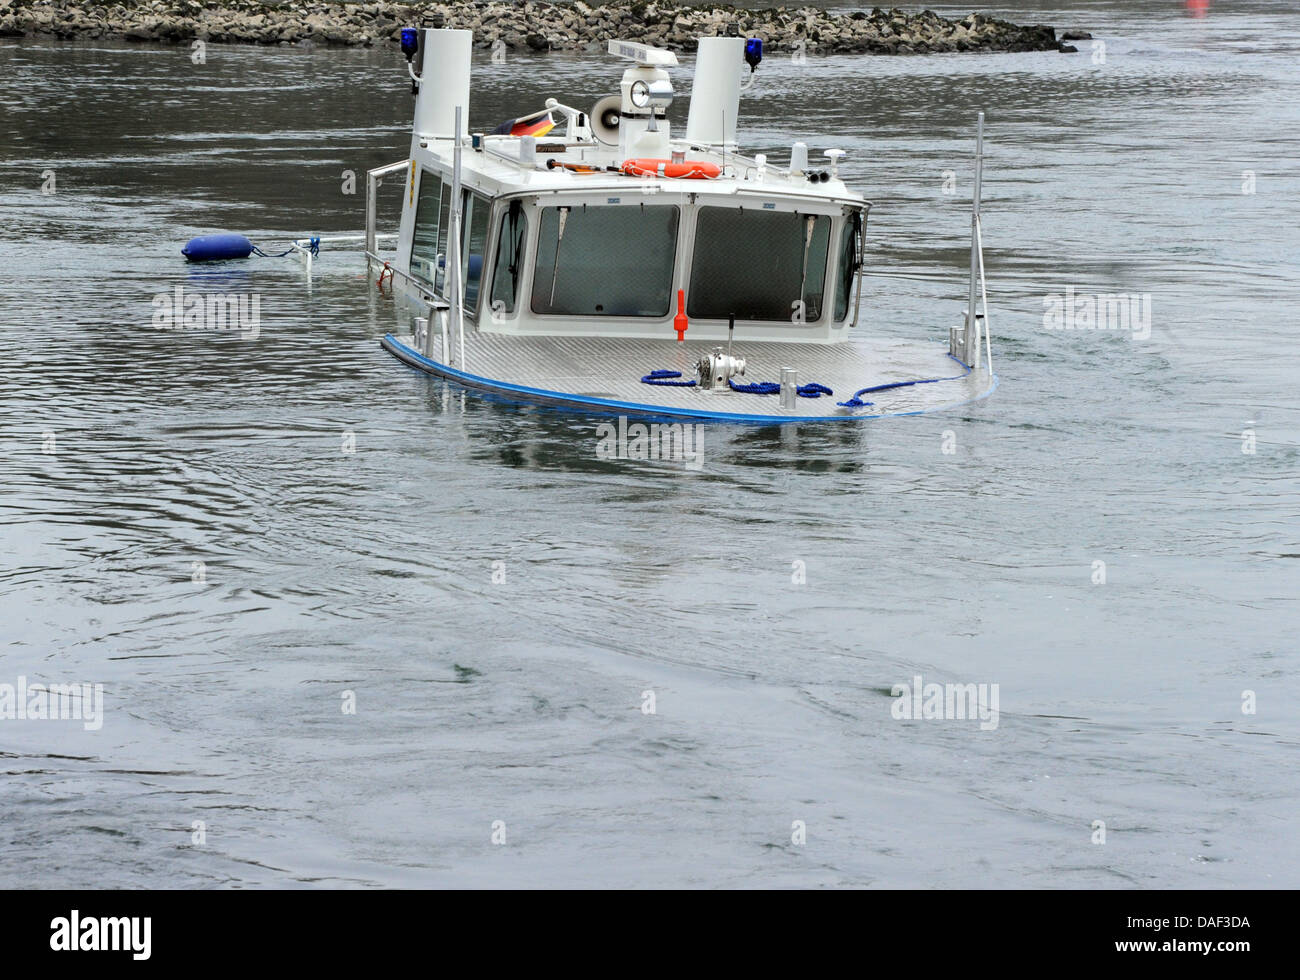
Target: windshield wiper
(555,263)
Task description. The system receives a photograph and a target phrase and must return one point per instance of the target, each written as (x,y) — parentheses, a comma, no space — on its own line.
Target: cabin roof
(496,170)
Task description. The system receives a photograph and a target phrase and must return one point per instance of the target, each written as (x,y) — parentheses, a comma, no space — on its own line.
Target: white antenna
(643,54)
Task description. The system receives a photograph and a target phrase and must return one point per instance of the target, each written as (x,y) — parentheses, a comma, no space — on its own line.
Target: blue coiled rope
(813,390)
(810,390)
(757,388)
(857,402)
(661,376)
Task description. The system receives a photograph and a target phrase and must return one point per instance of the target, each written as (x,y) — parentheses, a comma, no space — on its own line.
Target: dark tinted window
(847,265)
(425,246)
(480,211)
(758,265)
(605,260)
(508,270)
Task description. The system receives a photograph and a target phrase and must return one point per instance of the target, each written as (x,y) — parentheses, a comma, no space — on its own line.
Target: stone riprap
(576,26)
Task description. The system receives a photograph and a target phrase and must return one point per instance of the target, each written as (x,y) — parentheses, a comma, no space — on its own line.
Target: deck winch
(717,368)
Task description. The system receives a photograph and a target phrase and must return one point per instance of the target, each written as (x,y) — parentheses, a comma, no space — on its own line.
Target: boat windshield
(605,260)
(758,265)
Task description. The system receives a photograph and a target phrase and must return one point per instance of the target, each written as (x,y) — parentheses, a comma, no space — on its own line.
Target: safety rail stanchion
(454,284)
(971,342)
(984,294)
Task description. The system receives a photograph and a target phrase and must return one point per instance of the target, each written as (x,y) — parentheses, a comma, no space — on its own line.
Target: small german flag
(538,124)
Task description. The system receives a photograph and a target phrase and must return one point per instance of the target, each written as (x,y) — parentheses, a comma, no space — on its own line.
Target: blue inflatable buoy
(211,248)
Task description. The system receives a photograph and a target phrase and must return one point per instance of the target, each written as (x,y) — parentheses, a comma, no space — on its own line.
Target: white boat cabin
(600,223)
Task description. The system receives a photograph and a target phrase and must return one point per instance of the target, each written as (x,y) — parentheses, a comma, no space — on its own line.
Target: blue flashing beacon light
(410,42)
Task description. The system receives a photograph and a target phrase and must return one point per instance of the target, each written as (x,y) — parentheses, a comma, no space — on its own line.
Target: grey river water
(1113,540)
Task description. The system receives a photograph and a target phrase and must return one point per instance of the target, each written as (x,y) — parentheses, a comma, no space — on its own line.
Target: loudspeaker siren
(605,116)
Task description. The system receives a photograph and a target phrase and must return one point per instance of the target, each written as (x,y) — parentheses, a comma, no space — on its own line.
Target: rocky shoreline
(535,26)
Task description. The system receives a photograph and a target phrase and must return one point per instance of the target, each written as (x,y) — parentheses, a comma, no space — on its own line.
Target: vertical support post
(454,245)
(972,340)
(984,297)
(372,187)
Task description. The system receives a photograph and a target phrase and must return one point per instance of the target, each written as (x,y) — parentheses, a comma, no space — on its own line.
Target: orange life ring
(688,169)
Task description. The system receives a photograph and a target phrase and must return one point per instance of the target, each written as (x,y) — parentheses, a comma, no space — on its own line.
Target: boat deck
(604,375)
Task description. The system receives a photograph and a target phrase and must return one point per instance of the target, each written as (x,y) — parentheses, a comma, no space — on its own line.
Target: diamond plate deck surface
(611,369)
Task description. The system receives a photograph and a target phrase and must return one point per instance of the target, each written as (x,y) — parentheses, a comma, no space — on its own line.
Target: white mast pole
(971,345)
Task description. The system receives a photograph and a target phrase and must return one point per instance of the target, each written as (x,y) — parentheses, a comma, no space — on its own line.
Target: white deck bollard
(421,337)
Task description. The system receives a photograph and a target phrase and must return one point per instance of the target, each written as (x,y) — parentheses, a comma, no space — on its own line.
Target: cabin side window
(508,270)
(425,246)
(605,260)
(476,221)
(444,226)
(758,265)
(847,265)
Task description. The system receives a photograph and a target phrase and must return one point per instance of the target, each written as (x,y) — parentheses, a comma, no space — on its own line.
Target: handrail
(306,247)
(356,237)
(373,179)
(426,290)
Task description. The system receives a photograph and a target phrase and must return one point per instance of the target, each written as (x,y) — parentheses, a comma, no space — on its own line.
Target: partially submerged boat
(589,258)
